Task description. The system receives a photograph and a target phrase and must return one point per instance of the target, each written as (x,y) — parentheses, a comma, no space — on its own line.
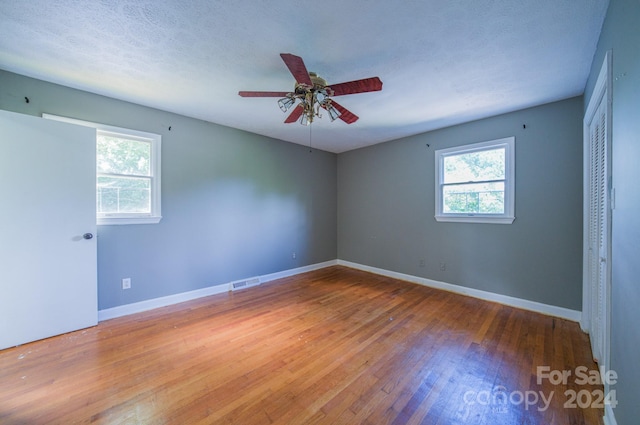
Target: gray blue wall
(237,205)
(386,196)
(621,35)
(234,204)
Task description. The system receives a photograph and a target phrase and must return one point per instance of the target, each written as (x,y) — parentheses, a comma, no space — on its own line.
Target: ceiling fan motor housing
(318,82)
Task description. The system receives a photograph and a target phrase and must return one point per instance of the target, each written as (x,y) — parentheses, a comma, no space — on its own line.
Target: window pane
(123,195)
(474,198)
(475,166)
(123,156)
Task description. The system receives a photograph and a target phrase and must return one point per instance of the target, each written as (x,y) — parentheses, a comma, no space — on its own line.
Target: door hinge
(612,200)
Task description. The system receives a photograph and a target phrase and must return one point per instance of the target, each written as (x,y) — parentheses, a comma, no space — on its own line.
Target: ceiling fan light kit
(311,94)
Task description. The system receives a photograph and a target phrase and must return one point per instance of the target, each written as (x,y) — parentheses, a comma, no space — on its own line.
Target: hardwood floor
(333,346)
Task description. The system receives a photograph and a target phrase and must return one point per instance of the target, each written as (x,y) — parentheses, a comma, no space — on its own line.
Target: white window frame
(156,141)
(508,143)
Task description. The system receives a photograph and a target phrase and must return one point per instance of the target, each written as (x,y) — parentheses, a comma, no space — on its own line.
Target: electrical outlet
(293,255)
(443,266)
(126,283)
(422,263)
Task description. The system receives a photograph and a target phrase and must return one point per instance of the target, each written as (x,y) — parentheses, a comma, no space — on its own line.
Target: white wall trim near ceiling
(549,310)
(127,309)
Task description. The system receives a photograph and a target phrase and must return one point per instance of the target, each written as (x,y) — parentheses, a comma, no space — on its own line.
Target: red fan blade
(358,86)
(263,93)
(297,68)
(295,114)
(345,114)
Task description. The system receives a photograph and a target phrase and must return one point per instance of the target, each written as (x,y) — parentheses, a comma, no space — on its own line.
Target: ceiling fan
(312,93)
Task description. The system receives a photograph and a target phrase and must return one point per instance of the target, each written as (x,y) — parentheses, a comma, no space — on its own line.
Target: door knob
(88,236)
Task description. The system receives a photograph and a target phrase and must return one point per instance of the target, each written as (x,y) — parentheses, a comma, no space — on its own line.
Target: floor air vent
(247,283)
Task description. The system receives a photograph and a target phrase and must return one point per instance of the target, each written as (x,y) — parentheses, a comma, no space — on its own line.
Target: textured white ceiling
(442,62)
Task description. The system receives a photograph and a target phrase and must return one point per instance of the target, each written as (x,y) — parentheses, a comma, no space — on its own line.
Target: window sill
(474,219)
(103,221)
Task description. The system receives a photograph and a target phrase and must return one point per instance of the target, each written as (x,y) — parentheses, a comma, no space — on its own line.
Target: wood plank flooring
(333,346)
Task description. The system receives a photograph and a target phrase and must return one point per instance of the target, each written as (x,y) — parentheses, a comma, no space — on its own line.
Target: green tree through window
(124,174)
(475,183)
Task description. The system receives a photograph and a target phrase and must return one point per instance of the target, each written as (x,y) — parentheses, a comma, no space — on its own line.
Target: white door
(598,231)
(597,219)
(48,264)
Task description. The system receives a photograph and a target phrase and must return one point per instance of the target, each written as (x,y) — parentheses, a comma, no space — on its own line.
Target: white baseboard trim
(125,310)
(609,417)
(299,270)
(549,310)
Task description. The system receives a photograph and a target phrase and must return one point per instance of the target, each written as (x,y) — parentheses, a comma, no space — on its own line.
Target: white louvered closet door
(598,230)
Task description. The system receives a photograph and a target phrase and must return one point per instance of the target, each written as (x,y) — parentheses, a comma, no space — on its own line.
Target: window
(475,183)
(127,174)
